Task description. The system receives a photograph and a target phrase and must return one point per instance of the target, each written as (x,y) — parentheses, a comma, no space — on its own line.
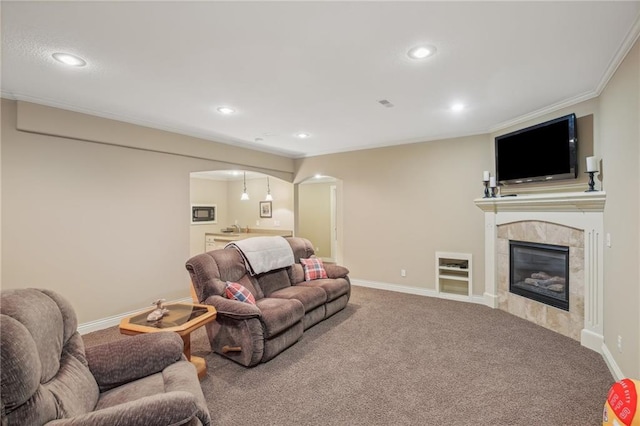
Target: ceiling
(314,67)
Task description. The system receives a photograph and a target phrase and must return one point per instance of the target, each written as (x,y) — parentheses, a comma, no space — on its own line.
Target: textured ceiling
(314,67)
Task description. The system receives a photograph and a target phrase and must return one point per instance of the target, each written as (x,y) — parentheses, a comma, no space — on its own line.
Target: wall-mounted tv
(544,152)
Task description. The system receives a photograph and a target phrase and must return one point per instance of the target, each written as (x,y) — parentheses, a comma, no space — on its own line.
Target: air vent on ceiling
(385,103)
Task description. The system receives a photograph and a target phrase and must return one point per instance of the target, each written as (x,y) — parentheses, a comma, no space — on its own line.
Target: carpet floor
(397,359)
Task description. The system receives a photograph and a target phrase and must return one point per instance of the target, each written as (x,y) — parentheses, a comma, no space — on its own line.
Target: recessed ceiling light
(421,52)
(225,110)
(69,59)
(457,107)
(302,135)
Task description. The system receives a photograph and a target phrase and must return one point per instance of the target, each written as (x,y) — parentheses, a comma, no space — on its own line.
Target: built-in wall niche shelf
(454,275)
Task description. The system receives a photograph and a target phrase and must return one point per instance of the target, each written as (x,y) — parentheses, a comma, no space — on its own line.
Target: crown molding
(616,60)
(620,54)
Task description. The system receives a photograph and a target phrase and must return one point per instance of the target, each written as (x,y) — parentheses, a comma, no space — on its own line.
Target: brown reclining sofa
(287,301)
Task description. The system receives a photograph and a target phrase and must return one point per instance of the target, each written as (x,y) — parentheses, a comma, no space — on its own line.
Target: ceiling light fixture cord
(268,197)
(244,196)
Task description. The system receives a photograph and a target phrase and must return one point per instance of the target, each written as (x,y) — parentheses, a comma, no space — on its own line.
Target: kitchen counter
(237,236)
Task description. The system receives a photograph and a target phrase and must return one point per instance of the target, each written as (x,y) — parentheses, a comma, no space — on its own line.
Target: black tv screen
(544,152)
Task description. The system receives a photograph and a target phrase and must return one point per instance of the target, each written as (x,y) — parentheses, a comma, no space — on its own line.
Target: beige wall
(58,122)
(399,205)
(314,210)
(104,224)
(247,213)
(619,148)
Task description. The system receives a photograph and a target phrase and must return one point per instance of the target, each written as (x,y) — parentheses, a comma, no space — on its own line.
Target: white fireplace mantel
(557,202)
(580,210)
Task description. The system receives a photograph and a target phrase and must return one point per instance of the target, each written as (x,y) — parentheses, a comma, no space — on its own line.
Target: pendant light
(244,196)
(268,197)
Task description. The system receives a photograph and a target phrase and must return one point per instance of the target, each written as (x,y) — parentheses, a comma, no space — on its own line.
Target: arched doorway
(318,215)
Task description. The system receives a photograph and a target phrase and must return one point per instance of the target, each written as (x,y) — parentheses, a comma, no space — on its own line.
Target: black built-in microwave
(203,213)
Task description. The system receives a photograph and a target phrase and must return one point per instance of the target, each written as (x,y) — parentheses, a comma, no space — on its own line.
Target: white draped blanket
(263,254)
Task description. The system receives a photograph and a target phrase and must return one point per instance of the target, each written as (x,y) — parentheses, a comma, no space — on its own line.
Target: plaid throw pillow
(313,269)
(239,292)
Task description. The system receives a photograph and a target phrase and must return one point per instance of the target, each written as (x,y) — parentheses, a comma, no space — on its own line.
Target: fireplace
(540,272)
(571,219)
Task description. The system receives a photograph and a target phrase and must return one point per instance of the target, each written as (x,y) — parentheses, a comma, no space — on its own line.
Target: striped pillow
(313,269)
(239,292)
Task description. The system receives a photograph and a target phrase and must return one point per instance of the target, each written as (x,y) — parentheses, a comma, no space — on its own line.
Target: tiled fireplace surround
(534,231)
(572,219)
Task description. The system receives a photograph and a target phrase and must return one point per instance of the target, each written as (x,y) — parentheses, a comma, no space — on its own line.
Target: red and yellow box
(621,408)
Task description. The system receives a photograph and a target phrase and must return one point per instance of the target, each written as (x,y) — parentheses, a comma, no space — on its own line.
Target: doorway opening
(318,215)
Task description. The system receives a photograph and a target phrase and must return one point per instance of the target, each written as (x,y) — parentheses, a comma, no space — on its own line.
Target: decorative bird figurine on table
(159,312)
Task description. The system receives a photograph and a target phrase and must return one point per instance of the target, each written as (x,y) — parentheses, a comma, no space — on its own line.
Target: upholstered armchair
(48,377)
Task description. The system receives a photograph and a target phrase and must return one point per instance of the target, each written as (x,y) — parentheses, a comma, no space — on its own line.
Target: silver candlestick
(591,182)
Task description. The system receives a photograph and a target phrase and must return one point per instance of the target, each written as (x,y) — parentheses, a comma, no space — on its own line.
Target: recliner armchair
(48,377)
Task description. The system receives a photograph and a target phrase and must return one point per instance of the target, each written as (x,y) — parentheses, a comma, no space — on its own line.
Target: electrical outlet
(276,223)
(257,223)
(403,272)
(317,250)
(608,239)
(235,222)
(619,343)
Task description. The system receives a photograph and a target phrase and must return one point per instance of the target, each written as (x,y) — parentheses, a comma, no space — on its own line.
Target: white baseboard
(614,368)
(394,287)
(591,340)
(103,323)
(491,300)
(417,291)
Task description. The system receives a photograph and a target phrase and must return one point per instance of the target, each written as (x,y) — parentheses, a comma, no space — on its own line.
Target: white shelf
(453,275)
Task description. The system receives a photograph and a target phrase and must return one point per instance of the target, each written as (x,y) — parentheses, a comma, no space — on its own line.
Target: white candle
(492,182)
(485,176)
(592,164)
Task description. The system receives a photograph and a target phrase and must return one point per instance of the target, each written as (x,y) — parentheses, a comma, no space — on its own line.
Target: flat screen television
(544,152)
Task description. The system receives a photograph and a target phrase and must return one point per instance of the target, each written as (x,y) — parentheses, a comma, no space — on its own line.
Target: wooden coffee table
(183,318)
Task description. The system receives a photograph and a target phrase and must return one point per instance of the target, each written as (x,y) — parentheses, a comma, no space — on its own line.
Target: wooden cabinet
(454,275)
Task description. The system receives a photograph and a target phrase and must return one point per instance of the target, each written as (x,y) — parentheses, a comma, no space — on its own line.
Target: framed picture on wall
(265,208)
